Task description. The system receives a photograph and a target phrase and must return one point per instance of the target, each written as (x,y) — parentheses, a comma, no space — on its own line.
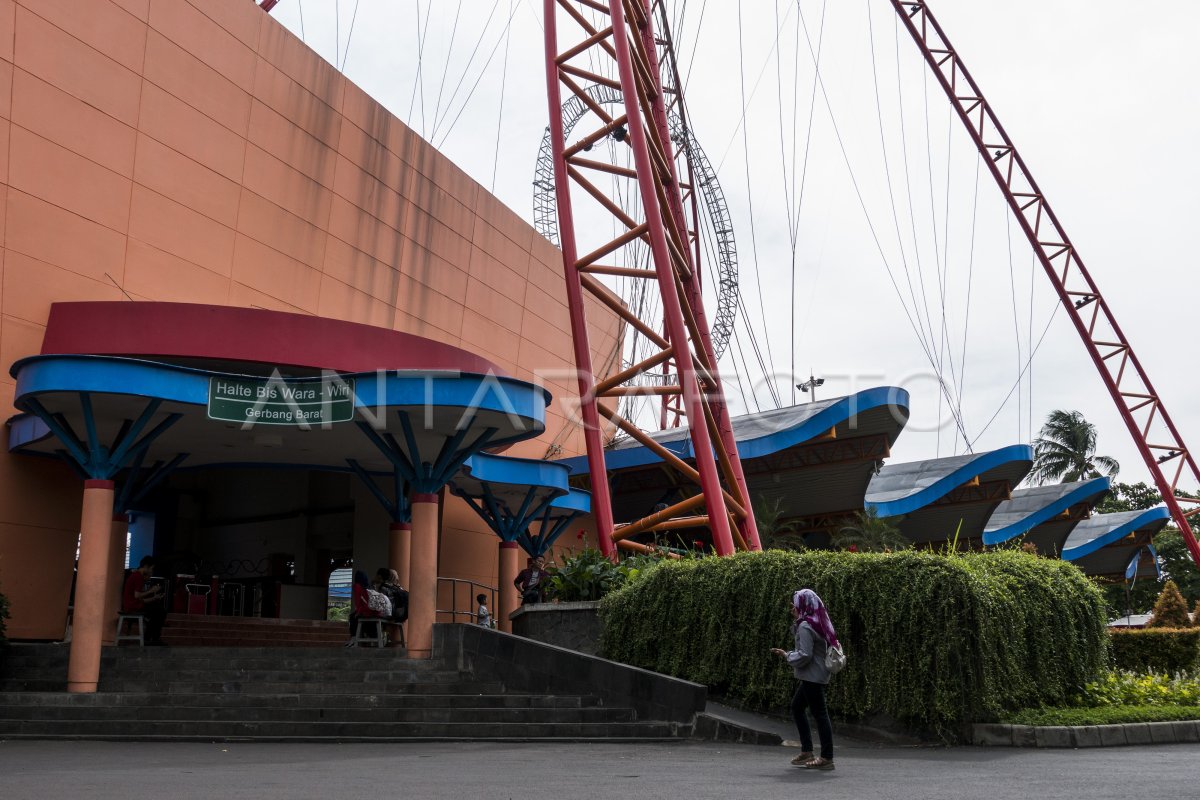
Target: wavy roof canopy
(940,498)
(814,458)
(1046,515)
(1104,544)
(99,398)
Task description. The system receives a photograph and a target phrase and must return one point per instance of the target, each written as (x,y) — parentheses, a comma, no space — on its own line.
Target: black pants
(811,696)
(154,615)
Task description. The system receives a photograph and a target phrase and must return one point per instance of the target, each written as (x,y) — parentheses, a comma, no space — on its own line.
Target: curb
(995,735)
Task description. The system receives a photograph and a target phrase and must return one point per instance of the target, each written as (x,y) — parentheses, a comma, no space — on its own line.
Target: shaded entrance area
(228,443)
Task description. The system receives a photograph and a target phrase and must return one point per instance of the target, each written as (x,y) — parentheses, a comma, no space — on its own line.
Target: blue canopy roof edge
(1085,491)
(141,378)
(922,497)
(838,411)
(495,469)
(1123,524)
(575,501)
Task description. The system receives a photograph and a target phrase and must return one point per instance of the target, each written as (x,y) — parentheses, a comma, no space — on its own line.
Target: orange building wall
(195,150)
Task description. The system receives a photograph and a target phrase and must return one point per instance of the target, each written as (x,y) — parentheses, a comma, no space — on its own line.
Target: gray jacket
(808,659)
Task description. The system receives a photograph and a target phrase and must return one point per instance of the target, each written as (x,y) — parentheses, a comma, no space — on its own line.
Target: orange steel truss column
(1152,429)
(91,583)
(614,45)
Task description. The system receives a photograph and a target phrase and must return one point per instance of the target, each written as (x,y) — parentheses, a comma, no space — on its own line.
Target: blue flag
(1157,563)
(1131,570)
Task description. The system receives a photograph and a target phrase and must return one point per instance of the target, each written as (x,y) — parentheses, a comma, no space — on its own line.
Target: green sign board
(281,401)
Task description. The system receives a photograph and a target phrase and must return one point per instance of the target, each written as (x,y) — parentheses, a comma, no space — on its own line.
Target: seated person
(531,582)
(387,581)
(149,601)
(359,602)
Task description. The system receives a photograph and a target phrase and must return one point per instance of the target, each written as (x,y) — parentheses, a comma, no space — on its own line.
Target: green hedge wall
(933,641)
(1167,650)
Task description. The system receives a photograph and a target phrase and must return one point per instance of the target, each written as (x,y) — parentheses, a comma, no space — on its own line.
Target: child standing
(483,616)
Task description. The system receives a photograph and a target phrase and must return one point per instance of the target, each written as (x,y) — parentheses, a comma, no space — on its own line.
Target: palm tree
(1065,451)
(773,532)
(870,532)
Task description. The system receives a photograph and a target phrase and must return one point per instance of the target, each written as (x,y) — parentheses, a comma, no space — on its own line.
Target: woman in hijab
(814,636)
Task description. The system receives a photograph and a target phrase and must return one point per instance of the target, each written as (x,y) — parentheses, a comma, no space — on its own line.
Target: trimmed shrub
(1124,688)
(1165,650)
(1170,610)
(932,640)
(1103,715)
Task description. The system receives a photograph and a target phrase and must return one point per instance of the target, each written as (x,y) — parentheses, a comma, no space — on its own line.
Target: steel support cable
(1012,282)
(337,30)
(753,232)
(695,49)
(483,71)
(794,222)
(1015,386)
(888,174)
(438,114)
(753,91)
(783,173)
(437,106)
(300,4)
(503,86)
(943,260)
(937,256)
(962,372)
(908,191)
(350,36)
(418,79)
(1029,338)
(945,339)
(871,225)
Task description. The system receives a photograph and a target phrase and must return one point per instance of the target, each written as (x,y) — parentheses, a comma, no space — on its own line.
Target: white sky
(1099,97)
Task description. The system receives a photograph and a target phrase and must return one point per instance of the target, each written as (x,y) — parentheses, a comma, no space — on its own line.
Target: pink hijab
(810,609)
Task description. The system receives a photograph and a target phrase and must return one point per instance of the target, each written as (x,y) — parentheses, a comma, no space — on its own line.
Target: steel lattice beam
(1137,401)
(615,45)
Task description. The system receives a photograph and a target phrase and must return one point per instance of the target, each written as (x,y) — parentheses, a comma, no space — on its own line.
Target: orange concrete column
(507,601)
(91,583)
(400,550)
(116,563)
(422,577)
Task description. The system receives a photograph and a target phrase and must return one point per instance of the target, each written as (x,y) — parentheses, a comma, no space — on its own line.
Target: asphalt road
(465,771)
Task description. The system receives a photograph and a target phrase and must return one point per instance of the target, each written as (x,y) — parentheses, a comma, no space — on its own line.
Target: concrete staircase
(187,630)
(300,694)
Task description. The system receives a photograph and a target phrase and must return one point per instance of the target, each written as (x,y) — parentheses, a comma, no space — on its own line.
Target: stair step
(340,731)
(252,712)
(376,676)
(246,688)
(136,700)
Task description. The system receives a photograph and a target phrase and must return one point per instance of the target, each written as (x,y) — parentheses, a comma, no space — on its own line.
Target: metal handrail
(471,615)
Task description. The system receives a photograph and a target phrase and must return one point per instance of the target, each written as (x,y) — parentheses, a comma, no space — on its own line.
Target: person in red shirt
(359,606)
(138,598)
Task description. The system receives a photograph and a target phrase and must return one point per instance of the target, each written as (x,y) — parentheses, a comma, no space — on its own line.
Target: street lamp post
(810,386)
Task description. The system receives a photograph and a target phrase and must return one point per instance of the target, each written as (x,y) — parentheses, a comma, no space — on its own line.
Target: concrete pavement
(32,770)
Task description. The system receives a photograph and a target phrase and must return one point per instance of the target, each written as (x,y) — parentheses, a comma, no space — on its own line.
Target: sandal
(820,763)
(803,759)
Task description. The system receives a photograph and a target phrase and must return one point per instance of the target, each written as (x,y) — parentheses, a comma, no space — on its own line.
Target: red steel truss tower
(614,44)
(1153,431)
